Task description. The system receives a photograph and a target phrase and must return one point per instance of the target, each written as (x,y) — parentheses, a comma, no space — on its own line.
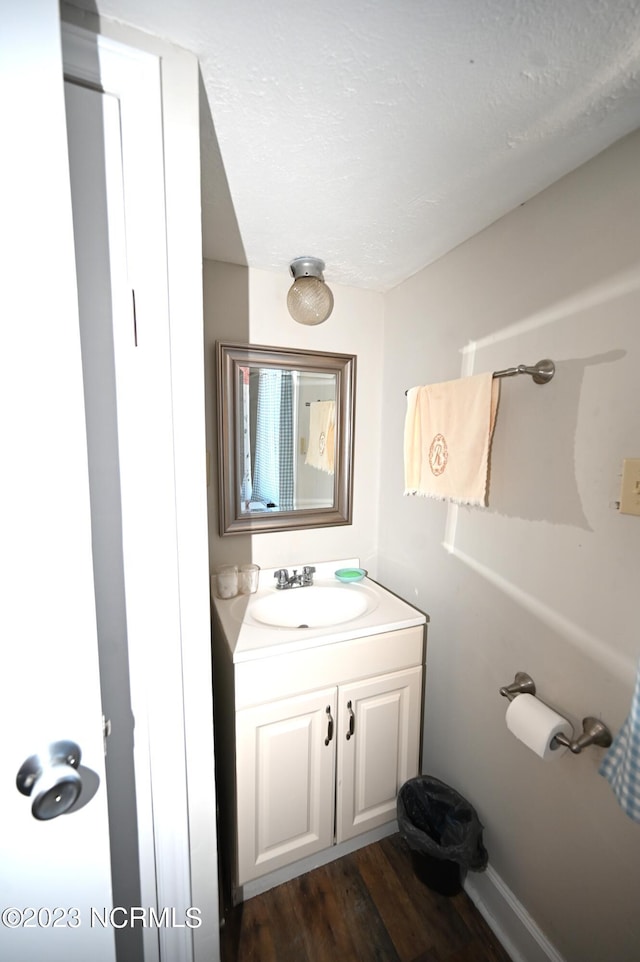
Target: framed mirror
(285,438)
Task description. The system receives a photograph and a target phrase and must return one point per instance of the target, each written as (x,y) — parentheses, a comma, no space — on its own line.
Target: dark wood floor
(366,907)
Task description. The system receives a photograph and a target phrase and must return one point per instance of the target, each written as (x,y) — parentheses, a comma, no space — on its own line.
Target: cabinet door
(285,770)
(378,748)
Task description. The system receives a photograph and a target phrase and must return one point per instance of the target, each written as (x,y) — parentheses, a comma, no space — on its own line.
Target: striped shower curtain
(246,486)
(273,467)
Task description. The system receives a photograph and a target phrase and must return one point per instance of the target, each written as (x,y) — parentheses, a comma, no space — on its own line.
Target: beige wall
(546,579)
(250,306)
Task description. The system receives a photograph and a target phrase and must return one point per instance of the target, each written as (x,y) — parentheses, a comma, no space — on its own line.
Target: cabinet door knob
(330,726)
(352,721)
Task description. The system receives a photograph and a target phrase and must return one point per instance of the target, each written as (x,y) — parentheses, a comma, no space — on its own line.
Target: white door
(378,744)
(116,152)
(54,873)
(285,763)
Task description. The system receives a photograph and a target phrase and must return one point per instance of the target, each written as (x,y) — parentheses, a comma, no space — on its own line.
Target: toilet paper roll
(536,725)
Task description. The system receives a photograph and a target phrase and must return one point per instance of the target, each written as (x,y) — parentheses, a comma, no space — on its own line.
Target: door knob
(51,779)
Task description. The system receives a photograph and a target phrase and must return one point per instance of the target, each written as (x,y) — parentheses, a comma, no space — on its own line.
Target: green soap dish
(350,574)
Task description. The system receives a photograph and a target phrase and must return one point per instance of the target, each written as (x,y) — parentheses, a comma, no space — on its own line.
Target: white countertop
(248,639)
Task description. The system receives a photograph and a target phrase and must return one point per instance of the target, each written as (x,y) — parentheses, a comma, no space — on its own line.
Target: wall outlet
(630,489)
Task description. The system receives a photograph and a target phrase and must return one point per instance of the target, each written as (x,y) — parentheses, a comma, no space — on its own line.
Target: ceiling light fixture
(309,300)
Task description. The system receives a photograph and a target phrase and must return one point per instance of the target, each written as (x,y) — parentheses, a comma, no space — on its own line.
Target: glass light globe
(309,300)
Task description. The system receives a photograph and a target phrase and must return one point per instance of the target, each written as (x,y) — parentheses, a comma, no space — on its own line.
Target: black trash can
(443,832)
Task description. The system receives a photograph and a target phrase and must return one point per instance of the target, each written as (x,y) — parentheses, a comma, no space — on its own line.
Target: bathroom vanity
(317,727)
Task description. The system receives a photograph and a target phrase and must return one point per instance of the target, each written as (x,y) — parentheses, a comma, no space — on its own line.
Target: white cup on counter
(248,576)
(225,579)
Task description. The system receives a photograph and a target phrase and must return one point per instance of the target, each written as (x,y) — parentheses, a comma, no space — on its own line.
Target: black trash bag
(443,831)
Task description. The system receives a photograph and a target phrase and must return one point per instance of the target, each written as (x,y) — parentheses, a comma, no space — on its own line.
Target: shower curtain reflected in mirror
(273,462)
(246,486)
(287,451)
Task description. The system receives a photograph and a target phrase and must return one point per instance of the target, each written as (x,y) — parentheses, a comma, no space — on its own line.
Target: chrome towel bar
(542,372)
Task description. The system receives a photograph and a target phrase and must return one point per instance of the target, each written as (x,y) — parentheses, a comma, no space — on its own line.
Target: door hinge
(106,731)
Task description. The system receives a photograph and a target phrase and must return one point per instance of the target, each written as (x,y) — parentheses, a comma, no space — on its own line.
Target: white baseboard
(508,919)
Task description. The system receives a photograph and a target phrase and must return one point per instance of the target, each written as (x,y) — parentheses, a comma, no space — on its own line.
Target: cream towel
(321,450)
(447,438)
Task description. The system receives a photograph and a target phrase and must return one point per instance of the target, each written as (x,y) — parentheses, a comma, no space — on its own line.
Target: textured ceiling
(379,134)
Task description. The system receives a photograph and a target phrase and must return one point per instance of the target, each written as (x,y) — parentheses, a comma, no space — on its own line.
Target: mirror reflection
(287,425)
(285,420)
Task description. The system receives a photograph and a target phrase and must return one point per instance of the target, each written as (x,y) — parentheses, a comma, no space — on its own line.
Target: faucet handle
(308,572)
(283,576)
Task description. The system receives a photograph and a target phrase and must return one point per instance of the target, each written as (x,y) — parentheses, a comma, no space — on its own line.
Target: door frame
(174,716)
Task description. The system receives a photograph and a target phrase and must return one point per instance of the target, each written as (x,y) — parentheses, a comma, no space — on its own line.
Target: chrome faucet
(295,580)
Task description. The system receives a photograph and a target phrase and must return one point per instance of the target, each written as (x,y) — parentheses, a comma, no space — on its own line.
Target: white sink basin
(313,607)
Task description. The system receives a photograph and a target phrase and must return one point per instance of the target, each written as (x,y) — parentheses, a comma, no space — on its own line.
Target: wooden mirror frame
(229,358)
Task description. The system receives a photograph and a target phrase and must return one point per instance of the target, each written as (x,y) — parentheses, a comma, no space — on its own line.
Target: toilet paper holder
(594,731)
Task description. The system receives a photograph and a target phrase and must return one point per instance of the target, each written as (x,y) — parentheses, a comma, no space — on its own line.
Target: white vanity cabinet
(324,738)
